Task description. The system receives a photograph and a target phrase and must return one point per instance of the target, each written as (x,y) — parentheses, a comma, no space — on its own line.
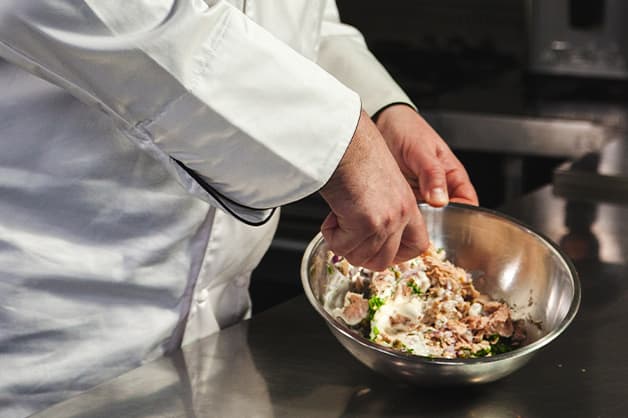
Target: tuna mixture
(426,306)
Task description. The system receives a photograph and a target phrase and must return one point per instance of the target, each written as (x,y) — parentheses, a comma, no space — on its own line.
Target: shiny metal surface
(599,176)
(509,262)
(286,363)
(578,38)
(549,137)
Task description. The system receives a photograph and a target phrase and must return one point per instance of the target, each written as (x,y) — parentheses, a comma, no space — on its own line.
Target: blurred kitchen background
(520,89)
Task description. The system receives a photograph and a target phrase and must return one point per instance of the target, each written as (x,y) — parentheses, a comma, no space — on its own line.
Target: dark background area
(448,55)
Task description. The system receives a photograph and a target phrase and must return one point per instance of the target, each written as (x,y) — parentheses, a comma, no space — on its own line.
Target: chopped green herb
(330,269)
(440,250)
(499,345)
(398,345)
(375,302)
(482,353)
(395,271)
(465,352)
(374,333)
(502,345)
(415,288)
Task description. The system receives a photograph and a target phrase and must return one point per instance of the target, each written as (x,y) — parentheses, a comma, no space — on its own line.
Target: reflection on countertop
(601,175)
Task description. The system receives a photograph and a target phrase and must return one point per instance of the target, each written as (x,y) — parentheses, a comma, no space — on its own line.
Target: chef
(144,147)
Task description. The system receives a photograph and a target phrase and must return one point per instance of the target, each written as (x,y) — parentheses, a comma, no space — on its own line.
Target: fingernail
(438,196)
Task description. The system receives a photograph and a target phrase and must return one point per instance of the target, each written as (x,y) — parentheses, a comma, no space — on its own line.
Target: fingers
(354,245)
(414,240)
(462,190)
(351,239)
(380,259)
(385,246)
(441,178)
(432,181)
(432,170)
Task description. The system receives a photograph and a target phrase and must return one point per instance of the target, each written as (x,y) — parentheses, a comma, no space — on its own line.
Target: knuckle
(405,208)
(372,223)
(433,171)
(378,224)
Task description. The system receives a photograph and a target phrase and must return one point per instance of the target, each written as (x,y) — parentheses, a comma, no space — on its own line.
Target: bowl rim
(518,352)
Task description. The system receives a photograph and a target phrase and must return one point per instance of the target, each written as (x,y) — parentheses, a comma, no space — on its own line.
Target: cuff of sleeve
(253,217)
(262,127)
(376,114)
(375,101)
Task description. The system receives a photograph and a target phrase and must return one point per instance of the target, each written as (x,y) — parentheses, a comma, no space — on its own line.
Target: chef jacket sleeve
(343,52)
(239,118)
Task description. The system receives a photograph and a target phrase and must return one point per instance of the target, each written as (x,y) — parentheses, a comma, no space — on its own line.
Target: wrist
(356,152)
(396,123)
(386,115)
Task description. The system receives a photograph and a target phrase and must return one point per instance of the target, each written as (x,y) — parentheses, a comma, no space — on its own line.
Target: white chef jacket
(143,145)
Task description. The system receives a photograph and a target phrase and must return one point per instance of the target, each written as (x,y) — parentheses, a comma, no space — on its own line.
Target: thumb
(433,183)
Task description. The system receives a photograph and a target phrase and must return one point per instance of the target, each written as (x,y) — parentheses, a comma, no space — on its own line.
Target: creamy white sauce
(334,296)
(475,309)
(383,318)
(415,344)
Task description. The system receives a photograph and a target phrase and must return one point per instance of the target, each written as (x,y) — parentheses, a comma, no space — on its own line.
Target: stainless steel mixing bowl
(508,261)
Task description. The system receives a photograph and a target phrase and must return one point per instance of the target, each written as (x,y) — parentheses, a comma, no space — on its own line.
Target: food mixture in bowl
(426,306)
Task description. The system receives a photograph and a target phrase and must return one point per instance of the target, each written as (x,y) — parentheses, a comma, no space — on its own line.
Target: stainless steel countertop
(599,176)
(285,362)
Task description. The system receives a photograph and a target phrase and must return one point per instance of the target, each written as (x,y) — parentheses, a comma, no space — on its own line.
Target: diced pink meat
(355,308)
(499,322)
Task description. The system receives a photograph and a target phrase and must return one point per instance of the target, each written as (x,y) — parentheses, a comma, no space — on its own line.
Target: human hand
(374,220)
(432,170)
